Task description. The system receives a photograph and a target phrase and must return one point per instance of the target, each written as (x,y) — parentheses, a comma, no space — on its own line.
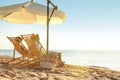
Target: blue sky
(90,25)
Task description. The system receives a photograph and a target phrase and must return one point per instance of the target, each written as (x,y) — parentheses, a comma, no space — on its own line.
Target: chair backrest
(19,46)
(34,46)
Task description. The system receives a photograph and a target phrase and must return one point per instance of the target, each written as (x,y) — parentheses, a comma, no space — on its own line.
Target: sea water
(102,58)
(7,52)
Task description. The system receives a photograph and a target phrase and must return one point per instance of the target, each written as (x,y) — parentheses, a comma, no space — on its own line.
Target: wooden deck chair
(26,58)
(21,49)
(35,47)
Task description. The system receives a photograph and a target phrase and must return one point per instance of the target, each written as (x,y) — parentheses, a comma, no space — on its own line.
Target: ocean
(102,58)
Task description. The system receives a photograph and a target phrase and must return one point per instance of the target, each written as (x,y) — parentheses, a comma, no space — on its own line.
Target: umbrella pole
(14,54)
(49,15)
(31,0)
(47,46)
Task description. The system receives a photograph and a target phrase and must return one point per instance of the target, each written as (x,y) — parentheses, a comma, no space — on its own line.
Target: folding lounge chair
(35,47)
(26,58)
(19,47)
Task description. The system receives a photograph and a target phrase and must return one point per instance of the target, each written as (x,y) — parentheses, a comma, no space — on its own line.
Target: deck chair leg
(14,54)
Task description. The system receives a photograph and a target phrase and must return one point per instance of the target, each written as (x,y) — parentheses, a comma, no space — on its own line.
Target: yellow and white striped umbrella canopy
(29,13)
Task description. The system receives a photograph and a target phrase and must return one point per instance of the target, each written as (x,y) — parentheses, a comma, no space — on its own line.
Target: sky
(90,25)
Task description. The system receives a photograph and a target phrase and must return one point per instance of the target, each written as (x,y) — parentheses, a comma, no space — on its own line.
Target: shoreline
(69,72)
(101,58)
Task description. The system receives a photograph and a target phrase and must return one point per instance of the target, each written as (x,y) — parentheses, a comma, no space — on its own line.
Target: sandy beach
(60,40)
(69,72)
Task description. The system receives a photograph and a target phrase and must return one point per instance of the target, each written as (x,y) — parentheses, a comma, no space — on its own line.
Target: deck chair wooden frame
(26,58)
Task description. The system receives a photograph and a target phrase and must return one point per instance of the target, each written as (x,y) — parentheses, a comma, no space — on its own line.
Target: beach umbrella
(32,12)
